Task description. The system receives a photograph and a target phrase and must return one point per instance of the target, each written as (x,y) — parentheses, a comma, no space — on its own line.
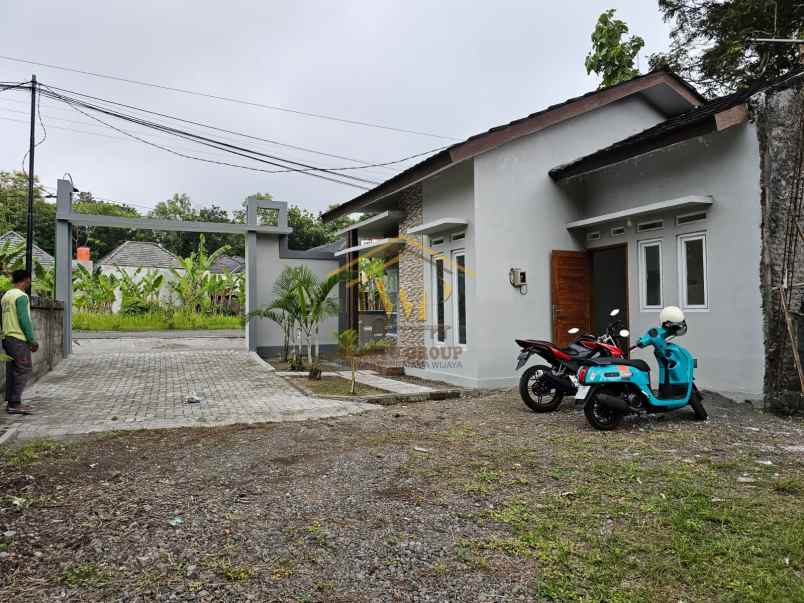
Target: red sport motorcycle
(543,387)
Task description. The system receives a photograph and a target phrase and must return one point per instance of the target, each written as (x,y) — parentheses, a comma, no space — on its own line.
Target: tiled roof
(40,254)
(140,254)
(336,245)
(228,263)
(665,132)
(444,158)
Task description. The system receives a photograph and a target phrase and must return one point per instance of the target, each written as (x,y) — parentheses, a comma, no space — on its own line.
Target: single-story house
(234,264)
(14,238)
(131,256)
(640,195)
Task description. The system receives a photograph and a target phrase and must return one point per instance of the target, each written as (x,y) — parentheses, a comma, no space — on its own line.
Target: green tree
(709,41)
(14,209)
(612,57)
(101,239)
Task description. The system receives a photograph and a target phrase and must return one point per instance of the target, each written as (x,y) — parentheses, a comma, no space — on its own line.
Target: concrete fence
(47,318)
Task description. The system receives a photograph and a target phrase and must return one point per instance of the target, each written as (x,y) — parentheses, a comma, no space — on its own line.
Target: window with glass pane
(460,276)
(651,274)
(694,276)
(439,277)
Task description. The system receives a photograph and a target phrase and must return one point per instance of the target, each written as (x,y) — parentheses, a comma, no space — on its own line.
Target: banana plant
(95,291)
(192,282)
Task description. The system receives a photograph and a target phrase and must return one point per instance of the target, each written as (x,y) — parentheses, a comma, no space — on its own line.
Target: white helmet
(672,319)
(671,314)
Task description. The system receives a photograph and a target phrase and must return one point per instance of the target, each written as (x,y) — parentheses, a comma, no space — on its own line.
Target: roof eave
(604,158)
(486,141)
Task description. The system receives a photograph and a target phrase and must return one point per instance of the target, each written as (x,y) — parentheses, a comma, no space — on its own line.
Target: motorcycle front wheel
(600,416)
(536,392)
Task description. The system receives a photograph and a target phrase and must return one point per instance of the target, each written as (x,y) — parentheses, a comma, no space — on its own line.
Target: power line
(228,99)
(243,134)
(72,103)
(228,147)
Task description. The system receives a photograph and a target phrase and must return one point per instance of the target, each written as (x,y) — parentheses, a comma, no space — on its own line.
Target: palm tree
(301,302)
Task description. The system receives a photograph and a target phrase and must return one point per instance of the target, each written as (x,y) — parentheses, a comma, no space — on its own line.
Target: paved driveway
(107,386)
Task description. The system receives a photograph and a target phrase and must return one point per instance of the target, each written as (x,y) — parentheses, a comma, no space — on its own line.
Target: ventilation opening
(689,218)
(648,226)
(618,231)
(593,236)
(458,237)
(438,241)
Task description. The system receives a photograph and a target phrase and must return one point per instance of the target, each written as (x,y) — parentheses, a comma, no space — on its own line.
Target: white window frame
(682,271)
(455,320)
(643,285)
(434,270)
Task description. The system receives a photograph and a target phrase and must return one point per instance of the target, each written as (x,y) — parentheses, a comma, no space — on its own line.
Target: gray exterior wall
(727,338)
(518,215)
(269,265)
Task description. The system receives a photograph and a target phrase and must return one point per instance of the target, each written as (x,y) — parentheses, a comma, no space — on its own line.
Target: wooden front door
(570,277)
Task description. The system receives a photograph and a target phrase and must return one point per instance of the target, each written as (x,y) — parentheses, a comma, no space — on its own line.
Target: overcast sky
(448,68)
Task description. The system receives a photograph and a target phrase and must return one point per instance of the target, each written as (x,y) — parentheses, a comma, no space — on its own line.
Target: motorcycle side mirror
(624,333)
(573,330)
(614,312)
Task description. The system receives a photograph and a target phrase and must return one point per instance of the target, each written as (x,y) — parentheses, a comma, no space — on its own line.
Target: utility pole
(31,149)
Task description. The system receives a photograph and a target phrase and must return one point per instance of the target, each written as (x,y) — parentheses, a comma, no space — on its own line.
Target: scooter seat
(635,362)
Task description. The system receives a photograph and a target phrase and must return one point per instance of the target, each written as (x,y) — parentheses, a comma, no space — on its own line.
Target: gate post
(64,260)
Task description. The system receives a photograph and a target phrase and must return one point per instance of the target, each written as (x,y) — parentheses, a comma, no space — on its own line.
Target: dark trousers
(18,369)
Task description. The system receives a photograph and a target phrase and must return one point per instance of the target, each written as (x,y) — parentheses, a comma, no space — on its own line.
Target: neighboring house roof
(228,263)
(140,254)
(663,89)
(330,247)
(716,115)
(40,254)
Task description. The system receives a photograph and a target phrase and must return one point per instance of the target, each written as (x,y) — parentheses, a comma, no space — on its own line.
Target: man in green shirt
(18,341)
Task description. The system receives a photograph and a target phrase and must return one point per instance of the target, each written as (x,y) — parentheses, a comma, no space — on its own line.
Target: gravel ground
(414,503)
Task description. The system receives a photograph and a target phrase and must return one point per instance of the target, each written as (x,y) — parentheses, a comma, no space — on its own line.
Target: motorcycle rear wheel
(600,416)
(536,392)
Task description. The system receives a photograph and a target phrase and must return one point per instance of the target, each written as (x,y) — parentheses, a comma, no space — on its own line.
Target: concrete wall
(47,319)
(727,337)
(269,266)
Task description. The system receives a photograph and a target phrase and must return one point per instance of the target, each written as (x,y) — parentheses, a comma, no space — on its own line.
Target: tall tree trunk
(317,345)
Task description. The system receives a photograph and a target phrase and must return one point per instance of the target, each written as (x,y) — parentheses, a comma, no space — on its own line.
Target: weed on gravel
(475,499)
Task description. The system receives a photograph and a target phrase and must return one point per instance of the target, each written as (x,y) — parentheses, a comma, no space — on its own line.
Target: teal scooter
(615,387)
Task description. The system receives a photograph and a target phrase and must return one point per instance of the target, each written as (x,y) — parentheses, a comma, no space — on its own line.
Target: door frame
(590,251)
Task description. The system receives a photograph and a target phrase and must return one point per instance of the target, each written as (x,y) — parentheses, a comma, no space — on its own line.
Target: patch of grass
(236,573)
(317,533)
(31,452)
(626,519)
(483,482)
(281,570)
(336,386)
(790,485)
(84,574)
(154,321)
